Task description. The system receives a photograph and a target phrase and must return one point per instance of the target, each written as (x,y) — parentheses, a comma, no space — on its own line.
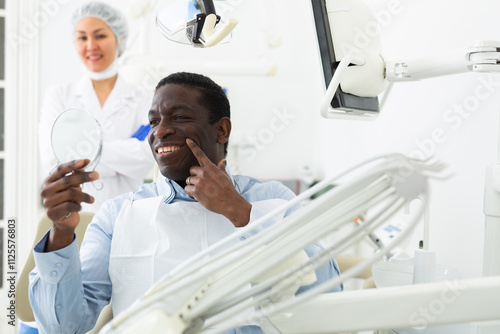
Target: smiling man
(137,238)
(179,129)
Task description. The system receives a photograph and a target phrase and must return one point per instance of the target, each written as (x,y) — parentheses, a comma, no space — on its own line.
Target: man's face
(176,114)
(95,43)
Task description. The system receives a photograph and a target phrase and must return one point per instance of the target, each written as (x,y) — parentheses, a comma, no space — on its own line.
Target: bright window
(2,140)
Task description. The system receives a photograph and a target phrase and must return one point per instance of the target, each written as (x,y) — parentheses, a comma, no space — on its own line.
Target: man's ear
(224,130)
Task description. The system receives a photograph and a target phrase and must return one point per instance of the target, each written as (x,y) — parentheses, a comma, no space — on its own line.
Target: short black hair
(213,96)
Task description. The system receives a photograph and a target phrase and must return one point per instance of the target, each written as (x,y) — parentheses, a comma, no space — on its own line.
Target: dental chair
(24,311)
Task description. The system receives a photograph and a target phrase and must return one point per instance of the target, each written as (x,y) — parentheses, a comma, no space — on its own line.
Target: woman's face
(95,43)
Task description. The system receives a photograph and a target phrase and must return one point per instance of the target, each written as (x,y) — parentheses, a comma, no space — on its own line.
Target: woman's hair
(109,15)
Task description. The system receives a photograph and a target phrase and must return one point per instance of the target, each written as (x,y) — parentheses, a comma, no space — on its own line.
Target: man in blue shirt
(190,128)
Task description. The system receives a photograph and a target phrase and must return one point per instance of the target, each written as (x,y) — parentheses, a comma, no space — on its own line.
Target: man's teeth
(168,149)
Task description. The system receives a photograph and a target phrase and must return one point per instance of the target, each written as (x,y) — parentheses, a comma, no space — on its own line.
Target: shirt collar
(173,192)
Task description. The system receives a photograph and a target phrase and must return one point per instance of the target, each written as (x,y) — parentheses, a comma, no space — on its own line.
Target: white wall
(415,110)
(281,111)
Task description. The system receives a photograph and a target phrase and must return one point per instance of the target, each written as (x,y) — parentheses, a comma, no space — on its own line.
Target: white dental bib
(151,238)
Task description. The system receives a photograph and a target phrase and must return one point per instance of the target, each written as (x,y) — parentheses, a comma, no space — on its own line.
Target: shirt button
(59,264)
(53,273)
(58,307)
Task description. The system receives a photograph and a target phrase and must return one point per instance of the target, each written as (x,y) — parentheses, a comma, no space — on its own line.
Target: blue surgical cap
(112,17)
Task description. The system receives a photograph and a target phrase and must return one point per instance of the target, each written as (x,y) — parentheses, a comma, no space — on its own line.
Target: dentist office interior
(271,67)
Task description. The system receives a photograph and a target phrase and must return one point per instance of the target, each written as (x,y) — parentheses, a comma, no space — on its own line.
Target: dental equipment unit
(354,81)
(210,293)
(355,76)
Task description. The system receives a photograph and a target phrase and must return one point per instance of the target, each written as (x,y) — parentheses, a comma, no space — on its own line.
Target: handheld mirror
(76,134)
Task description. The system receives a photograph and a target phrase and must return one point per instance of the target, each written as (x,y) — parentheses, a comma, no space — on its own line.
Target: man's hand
(210,185)
(62,197)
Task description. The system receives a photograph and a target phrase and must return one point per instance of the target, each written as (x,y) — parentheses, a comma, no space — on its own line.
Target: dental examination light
(211,292)
(355,71)
(194,22)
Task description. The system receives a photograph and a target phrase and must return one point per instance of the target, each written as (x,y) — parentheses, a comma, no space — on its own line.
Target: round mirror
(76,134)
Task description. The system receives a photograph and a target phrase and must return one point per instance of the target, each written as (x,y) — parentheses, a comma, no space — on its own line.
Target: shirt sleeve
(324,273)
(68,290)
(267,191)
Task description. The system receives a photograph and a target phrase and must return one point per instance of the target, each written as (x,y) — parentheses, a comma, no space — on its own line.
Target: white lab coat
(125,161)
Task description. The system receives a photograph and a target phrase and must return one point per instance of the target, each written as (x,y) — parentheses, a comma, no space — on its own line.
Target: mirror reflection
(76,134)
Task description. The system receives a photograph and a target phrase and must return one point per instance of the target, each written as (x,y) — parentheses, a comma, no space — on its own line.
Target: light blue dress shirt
(68,289)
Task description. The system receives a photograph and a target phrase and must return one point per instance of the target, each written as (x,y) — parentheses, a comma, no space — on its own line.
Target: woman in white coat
(120,108)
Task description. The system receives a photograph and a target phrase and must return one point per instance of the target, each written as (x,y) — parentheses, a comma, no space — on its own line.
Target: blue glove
(142,133)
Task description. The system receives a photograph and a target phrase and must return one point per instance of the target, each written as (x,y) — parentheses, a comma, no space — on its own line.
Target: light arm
(352,93)
(483,56)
